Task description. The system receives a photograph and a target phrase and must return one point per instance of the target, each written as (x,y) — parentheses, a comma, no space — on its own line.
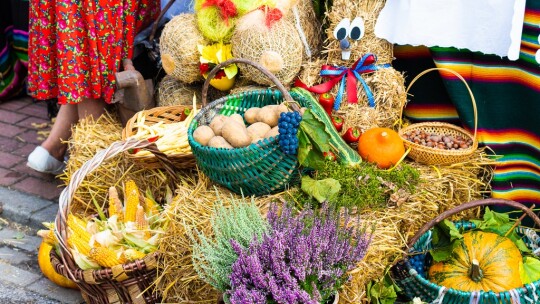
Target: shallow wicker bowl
(168,114)
(434,156)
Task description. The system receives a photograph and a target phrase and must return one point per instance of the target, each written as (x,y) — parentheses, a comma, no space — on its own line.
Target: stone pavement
(27,198)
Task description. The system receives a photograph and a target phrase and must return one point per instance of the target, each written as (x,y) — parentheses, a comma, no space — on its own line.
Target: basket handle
(473,100)
(259,67)
(66,197)
(470,205)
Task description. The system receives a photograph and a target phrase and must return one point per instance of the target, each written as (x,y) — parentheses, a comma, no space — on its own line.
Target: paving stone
(45,215)
(10,130)
(19,206)
(32,137)
(10,293)
(17,276)
(10,117)
(39,187)
(23,169)
(38,109)
(14,238)
(47,288)
(8,160)
(15,256)
(25,150)
(11,144)
(34,122)
(16,104)
(9,177)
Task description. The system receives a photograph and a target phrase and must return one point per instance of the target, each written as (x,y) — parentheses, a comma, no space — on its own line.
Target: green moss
(364,186)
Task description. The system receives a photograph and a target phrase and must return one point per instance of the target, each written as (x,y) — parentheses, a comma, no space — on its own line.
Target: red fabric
(76,46)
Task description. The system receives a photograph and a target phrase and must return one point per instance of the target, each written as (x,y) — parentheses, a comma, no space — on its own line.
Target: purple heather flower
(304,258)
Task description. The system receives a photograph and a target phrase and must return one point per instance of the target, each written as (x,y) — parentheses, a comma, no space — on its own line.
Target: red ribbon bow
(227,8)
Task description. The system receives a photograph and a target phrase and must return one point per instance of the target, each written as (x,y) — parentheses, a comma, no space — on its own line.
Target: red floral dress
(76,46)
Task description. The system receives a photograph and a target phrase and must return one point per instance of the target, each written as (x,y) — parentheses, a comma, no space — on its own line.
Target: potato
(235,133)
(268,115)
(203,134)
(238,118)
(302,110)
(217,123)
(258,129)
(251,115)
(273,132)
(281,108)
(219,142)
(255,140)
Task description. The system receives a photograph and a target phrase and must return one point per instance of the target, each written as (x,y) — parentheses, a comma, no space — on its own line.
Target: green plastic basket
(415,284)
(258,169)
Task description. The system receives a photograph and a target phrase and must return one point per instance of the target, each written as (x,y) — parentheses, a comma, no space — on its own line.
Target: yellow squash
(485,261)
(47,268)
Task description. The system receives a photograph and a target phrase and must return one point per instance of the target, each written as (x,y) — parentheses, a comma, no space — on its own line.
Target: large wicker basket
(126,283)
(434,156)
(415,284)
(260,168)
(168,114)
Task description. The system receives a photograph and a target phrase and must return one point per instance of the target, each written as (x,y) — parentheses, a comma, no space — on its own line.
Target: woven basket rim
(432,150)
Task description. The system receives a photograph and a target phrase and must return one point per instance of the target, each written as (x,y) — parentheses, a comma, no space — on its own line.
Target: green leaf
(321,190)
(313,141)
(382,291)
(529,270)
(446,237)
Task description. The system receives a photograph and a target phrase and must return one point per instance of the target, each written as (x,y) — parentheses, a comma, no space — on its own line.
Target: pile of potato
(232,132)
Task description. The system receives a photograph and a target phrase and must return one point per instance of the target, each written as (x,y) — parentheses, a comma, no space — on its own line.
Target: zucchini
(345,154)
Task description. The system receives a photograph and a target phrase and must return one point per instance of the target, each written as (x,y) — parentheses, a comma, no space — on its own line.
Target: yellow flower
(218,53)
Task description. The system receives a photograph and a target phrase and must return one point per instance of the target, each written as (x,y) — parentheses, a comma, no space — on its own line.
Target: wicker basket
(434,156)
(260,168)
(416,285)
(169,114)
(126,283)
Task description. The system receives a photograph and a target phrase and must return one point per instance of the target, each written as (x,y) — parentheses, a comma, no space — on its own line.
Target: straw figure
(357,69)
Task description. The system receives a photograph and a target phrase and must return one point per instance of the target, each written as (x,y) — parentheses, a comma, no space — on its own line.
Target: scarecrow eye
(342,29)
(356,30)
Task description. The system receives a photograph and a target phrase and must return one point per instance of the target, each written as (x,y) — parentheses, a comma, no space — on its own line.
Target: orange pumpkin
(381,146)
(485,261)
(47,268)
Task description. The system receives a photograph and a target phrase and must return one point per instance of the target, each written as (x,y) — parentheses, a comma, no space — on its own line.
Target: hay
(278,48)
(90,136)
(441,188)
(308,27)
(190,209)
(174,92)
(369,11)
(178,47)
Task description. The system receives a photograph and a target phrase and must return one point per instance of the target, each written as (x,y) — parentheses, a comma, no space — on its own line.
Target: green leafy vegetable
(382,291)
(500,223)
(446,237)
(313,141)
(529,270)
(322,190)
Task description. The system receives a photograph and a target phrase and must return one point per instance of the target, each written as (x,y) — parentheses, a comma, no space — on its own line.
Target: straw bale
(308,27)
(369,11)
(441,188)
(178,47)
(278,48)
(171,92)
(88,137)
(191,209)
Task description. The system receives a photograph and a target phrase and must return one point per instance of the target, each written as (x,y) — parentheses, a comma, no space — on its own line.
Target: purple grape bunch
(288,124)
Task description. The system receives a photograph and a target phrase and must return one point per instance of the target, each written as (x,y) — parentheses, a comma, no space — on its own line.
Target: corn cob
(151,207)
(115,205)
(105,257)
(75,241)
(142,222)
(78,227)
(132,201)
(48,236)
(133,254)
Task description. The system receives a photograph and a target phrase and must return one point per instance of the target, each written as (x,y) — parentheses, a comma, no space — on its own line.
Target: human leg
(90,107)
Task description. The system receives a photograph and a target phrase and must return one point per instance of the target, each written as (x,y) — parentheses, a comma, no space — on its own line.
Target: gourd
(381,146)
(47,268)
(484,261)
(345,154)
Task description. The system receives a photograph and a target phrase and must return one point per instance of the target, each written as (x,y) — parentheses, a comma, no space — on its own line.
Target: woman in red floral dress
(75,49)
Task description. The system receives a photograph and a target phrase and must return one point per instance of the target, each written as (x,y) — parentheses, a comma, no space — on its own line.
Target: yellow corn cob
(131,201)
(75,241)
(133,254)
(151,207)
(78,227)
(115,205)
(48,236)
(142,222)
(105,257)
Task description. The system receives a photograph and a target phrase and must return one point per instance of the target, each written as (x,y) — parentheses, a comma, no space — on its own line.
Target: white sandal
(42,161)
